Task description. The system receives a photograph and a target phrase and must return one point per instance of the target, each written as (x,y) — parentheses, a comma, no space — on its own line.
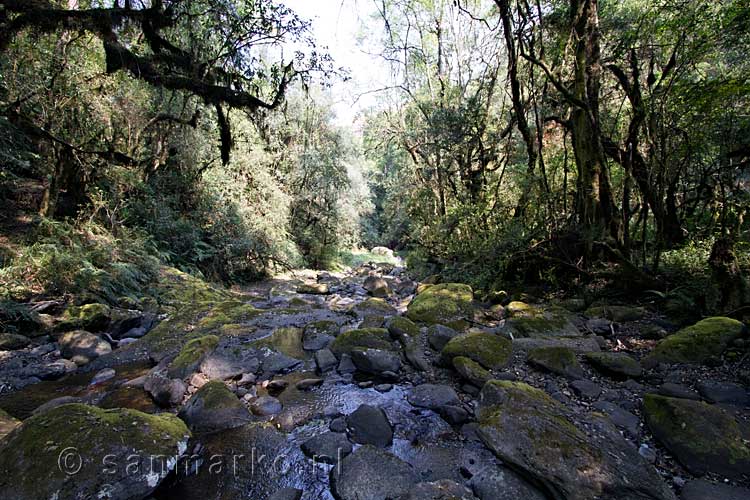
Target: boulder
(372,474)
(191,356)
(80,451)
(329,447)
(13,342)
(698,343)
(377,286)
(369,425)
(400,327)
(586,389)
(618,364)
(213,408)
(164,391)
(374,306)
(447,304)
(82,347)
(382,251)
(375,361)
(559,360)
(89,317)
(319,334)
(7,424)
(489,350)
(439,335)
(703,437)
(217,366)
(373,338)
(724,392)
(620,417)
(265,406)
(537,436)
(432,396)
(578,345)
(313,288)
(526,320)
(472,371)
(673,390)
(501,483)
(325,360)
(444,489)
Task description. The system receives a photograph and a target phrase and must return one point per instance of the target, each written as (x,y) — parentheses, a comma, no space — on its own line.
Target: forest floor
(307,386)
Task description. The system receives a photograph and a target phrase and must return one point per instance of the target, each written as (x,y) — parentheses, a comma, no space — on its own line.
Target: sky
(336,24)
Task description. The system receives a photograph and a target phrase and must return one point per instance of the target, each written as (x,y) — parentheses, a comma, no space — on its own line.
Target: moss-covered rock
(374,306)
(530,321)
(489,350)
(287,341)
(446,304)
(82,347)
(471,371)
(537,436)
(617,364)
(191,355)
(616,313)
(12,341)
(703,437)
(91,317)
(697,343)
(7,424)
(560,360)
(214,407)
(399,327)
(95,448)
(313,288)
(374,338)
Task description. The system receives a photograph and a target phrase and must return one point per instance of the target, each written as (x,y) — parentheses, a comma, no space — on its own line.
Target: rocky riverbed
(368,385)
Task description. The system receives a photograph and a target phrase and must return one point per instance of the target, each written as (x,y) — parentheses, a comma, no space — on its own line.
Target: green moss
(324,326)
(471,370)
(447,304)
(91,317)
(697,343)
(398,325)
(287,341)
(489,350)
(191,355)
(616,313)
(224,313)
(703,437)
(216,395)
(375,305)
(615,363)
(526,320)
(560,360)
(375,338)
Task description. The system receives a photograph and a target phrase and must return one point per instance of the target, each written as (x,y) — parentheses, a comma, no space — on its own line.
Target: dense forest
(537,182)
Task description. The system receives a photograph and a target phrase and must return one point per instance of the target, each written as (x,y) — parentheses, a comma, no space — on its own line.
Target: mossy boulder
(531,321)
(487,349)
(618,364)
(703,437)
(91,317)
(374,306)
(695,344)
(372,338)
(82,347)
(471,371)
(7,424)
(191,355)
(213,408)
(447,304)
(400,327)
(313,288)
(559,360)
(616,313)
(12,341)
(114,454)
(537,436)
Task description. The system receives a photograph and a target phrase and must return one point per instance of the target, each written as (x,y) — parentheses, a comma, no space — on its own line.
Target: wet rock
(586,389)
(501,483)
(213,408)
(102,376)
(369,425)
(12,342)
(329,447)
(372,338)
(217,366)
(432,396)
(372,474)
(439,335)
(616,313)
(377,286)
(338,424)
(191,356)
(313,289)
(308,383)
(471,370)
(535,434)
(266,406)
(696,344)
(319,334)
(82,347)
(489,350)
(724,392)
(443,489)
(165,392)
(703,490)
(620,417)
(375,361)
(559,360)
(703,437)
(346,365)
(287,494)
(7,424)
(93,437)
(673,390)
(325,360)
(618,364)
(447,304)
(273,363)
